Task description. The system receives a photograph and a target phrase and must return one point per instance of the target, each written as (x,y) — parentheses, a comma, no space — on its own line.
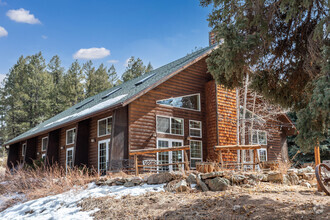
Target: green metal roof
(114,97)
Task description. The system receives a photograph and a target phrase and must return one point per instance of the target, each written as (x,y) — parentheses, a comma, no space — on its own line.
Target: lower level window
(69,158)
(23,149)
(262,153)
(171,156)
(195,153)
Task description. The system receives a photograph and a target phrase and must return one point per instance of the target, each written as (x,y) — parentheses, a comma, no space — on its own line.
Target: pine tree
(73,87)
(149,67)
(113,77)
(135,68)
(89,72)
(282,45)
(97,81)
(57,72)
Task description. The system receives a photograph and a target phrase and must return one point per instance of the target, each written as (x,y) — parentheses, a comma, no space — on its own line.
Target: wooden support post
(186,160)
(317,162)
(221,159)
(254,159)
(136,165)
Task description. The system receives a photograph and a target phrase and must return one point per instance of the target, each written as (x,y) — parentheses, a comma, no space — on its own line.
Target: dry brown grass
(283,166)
(42,181)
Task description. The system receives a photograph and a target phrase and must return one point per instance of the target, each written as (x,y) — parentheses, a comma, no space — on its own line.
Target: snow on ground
(65,205)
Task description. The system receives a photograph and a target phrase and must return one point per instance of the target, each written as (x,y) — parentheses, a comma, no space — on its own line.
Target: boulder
(308,176)
(275,177)
(306,184)
(136,180)
(217,184)
(201,184)
(305,170)
(191,179)
(160,178)
(212,175)
(119,182)
(181,186)
(129,184)
(293,178)
(286,181)
(238,179)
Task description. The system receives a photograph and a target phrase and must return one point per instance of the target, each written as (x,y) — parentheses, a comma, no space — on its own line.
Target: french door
(171,156)
(103,156)
(69,158)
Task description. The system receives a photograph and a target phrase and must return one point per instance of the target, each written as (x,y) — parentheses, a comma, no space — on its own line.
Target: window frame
(170,117)
(98,124)
(195,158)
(66,137)
(23,149)
(262,149)
(198,129)
(107,143)
(258,131)
(66,158)
(170,153)
(42,141)
(199,102)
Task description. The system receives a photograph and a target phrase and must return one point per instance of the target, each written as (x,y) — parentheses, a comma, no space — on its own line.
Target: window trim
(199,102)
(262,149)
(107,142)
(23,149)
(198,129)
(98,123)
(195,158)
(42,141)
(66,157)
(251,136)
(66,137)
(170,117)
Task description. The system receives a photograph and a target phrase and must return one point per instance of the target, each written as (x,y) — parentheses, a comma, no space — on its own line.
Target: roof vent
(80,106)
(110,93)
(144,79)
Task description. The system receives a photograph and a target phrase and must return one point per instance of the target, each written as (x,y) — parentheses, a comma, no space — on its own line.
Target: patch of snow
(97,107)
(65,205)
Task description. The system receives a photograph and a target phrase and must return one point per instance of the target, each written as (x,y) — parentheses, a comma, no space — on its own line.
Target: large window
(104,126)
(169,125)
(195,128)
(191,102)
(196,154)
(262,153)
(259,137)
(69,158)
(70,136)
(23,149)
(171,156)
(44,143)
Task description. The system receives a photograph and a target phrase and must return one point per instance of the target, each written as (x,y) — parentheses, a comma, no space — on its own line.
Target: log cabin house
(174,105)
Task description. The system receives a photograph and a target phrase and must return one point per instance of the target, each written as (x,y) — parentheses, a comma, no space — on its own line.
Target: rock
(239,209)
(263,177)
(191,179)
(308,176)
(293,178)
(177,175)
(181,186)
(291,171)
(238,179)
(306,184)
(136,180)
(201,184)
(212,175)
(160,178)
(305,170)
(318,209)
(217,184)
(129,184)
(119,182)
(286,181)
(275,177)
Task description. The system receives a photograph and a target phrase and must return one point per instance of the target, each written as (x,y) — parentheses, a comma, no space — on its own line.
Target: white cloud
(91,53)
(2,77)
(22,16)
(3,32)
(112,61)
(44,37)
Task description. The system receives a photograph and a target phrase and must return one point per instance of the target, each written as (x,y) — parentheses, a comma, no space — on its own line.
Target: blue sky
(158,31)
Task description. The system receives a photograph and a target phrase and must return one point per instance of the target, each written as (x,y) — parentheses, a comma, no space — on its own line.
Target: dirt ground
(265,201)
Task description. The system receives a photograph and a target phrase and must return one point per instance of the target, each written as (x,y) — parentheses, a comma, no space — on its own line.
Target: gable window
(104,126)
(44,143)
(195,128)
(262,153)
(259,137)
(191,102)
(70,136)
(23,149)
(169,125)
(195,153)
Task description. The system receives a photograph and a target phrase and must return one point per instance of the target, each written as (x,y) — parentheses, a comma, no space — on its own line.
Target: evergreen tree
(135,68)
(282,45)
(73,86)
(56,96)
(99,82)
(89,72)
(149,67)
(113,77)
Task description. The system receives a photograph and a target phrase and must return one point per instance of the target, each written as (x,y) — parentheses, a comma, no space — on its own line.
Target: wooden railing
(135,153)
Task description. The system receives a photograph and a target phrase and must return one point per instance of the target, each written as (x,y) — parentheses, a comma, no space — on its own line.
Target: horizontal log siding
(93,147)
(39,151)
(211,119)
(227,119)
(143,111)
